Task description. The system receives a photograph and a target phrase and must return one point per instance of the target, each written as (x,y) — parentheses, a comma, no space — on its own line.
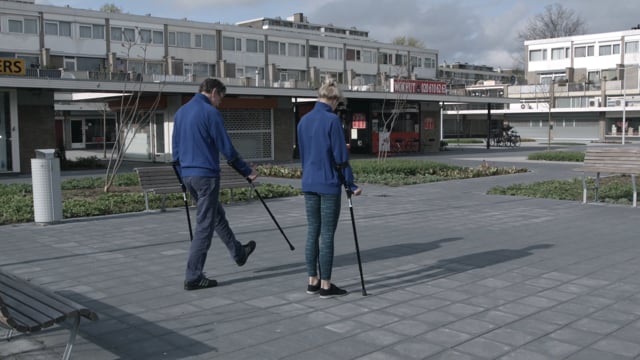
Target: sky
(480,32)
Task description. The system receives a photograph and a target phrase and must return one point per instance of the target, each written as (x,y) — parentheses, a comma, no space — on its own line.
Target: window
(209,42)
(273,48)
(353,55)
(26,26)
(116,34)
(251,71)
(631,47)
(231,43)
(123,34)
(384,58)
(538,55)
(158,37)
(558,53)
(604,50)
(58,28)
(204,69)
(155,68)
(429,63)
(183,39)
(198,41)
(255,46)
(401,59)
(51,28)
(89,64)
(590,50)
(91,31)
(334,53)
(316,51)
(129,35)
(296,49)
(145,36)
(367,56)
(172,38)
(580,51)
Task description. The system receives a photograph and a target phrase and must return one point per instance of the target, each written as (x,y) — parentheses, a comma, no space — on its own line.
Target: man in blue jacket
(199,136)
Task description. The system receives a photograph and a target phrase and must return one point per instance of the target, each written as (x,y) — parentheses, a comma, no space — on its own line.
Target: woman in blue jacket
(323,153)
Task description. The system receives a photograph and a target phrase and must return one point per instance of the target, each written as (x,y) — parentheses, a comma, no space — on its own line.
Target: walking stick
(269,211)
(353,224)
(184,196)
(230,163)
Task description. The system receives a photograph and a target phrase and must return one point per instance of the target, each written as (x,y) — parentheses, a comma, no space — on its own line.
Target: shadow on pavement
(129,336)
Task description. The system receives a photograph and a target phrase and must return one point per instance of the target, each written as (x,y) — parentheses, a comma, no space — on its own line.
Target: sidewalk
(451,273)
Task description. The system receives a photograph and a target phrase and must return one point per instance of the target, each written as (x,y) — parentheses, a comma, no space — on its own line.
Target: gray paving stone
(575,336)
(510,337)
(472,326)
(416,350)
(552,348)
(553,294)
(484,348)
(619,347)
(595,326)
(409,327)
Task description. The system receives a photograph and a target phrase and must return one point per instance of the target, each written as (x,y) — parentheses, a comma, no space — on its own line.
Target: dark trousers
(210,217)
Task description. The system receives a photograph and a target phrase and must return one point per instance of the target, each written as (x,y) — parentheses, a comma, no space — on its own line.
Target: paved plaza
(450,272)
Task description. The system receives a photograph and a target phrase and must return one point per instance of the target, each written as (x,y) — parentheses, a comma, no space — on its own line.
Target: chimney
(298,18)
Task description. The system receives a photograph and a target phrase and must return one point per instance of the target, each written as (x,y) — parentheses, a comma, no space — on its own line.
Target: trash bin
(46,186)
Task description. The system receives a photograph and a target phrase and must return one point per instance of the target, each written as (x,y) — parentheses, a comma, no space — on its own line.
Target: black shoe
(332,291)
(313,289)
(248,249)
(202,283)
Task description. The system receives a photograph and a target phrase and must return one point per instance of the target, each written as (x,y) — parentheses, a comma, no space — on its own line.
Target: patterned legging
(323,212)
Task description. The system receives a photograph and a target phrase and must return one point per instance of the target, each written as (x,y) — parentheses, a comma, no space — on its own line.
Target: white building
(591,82)
(49,52)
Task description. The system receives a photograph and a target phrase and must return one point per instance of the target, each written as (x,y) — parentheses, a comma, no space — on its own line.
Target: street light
(549,127)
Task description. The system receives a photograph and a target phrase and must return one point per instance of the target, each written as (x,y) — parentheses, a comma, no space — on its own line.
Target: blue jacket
(199,137)
(322,146)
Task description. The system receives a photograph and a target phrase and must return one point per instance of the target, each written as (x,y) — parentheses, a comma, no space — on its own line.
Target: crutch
(265,206)
(353,224)
(184,196)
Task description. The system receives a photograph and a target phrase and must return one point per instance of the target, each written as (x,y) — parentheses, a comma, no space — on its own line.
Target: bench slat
(27,307)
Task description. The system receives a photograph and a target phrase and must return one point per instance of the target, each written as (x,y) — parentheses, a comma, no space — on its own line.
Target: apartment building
(579,88)
(268,64)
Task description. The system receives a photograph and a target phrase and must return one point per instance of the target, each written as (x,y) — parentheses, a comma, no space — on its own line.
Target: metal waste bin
(47,189)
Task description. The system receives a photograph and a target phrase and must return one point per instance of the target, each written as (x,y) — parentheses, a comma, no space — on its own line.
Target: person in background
(199,136)
(323,152)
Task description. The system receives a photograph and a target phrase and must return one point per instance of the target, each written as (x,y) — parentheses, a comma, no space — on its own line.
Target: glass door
(77,134)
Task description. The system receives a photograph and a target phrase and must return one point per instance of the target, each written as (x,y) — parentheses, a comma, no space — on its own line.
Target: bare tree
(555,21)
(134,113)
(388,121)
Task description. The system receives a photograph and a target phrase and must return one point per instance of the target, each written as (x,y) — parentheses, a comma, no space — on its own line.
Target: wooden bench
(617,160)
(28,308)
(162,180)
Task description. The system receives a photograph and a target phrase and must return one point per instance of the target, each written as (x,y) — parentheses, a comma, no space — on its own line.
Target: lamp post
(624,109)
(549,127)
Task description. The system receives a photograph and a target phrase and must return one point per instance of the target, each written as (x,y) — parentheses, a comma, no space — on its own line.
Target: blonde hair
(330,90)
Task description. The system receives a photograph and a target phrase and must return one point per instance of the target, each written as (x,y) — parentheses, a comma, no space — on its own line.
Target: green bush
(613,189)
(84,197)
(575,156)
(397,172)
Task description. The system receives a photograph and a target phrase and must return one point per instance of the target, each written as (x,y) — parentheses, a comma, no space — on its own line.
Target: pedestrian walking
(199,136)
